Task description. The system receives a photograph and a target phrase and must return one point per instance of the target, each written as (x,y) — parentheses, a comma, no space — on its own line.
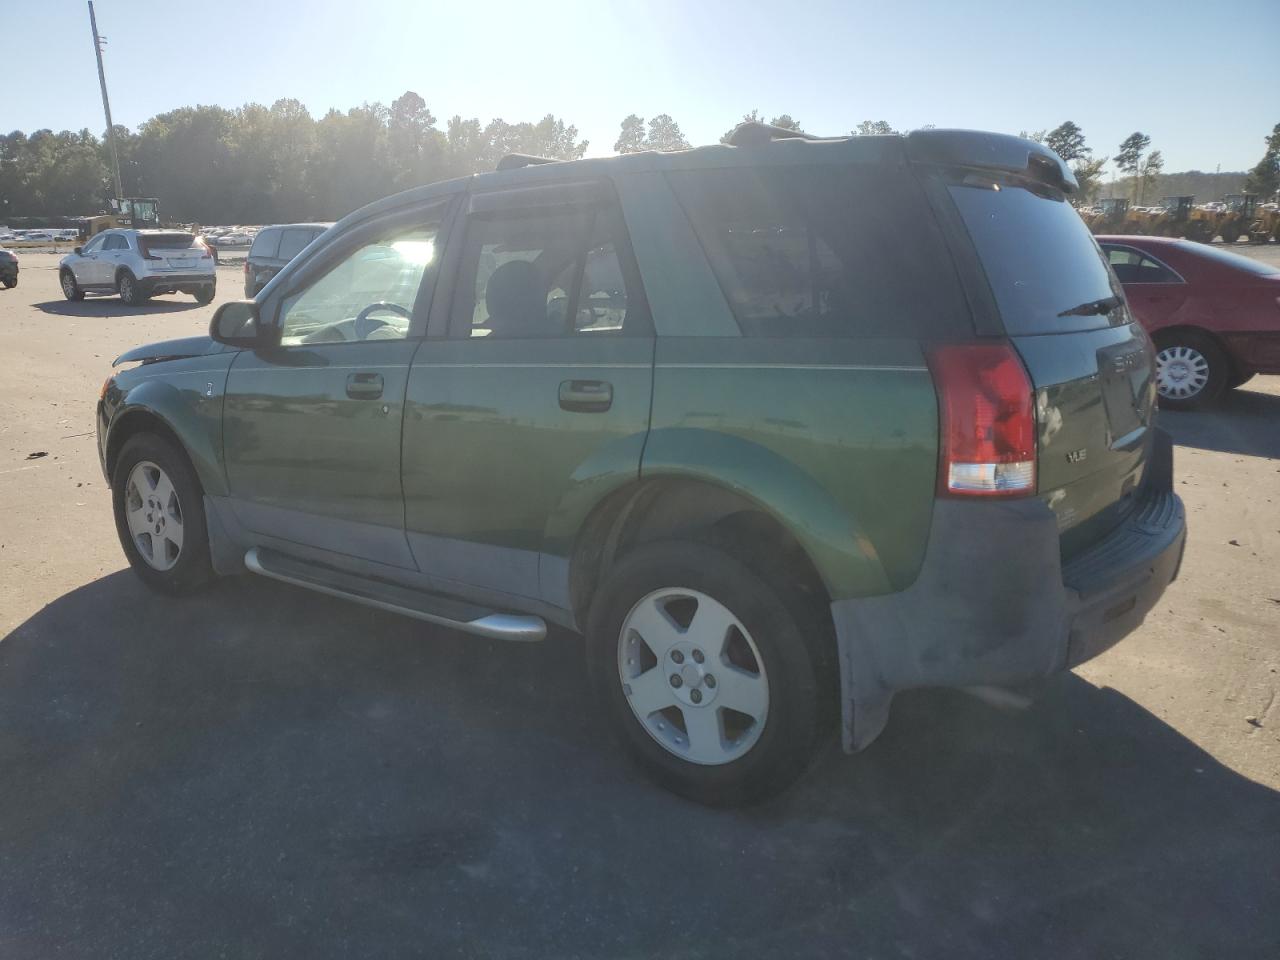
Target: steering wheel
(365,326)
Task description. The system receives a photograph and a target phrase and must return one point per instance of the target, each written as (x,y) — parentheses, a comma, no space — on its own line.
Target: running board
(388,596)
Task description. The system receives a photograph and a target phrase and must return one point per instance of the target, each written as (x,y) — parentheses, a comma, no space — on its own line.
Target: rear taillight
(146,251)
(246,268)
(987,418)
(208,251)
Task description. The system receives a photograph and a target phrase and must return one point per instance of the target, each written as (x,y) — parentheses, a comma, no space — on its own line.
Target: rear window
(293,242)
(824,251)
(1238,262)
(1040,259)
(168,241)
(265,243)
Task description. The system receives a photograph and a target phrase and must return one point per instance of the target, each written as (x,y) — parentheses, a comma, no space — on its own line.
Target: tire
(206,294)
(154,490)
(1191,370)
(1239,380)
(689,742)
(9,282)
(70,289)
(129,288)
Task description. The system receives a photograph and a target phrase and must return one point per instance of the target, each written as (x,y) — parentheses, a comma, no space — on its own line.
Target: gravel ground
(265,772)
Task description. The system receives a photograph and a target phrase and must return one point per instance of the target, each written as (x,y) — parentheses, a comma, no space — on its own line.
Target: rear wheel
(10,282)
(706,673)
(1191,370)
(205,294)
(159,514)
(130,289)
(70,289)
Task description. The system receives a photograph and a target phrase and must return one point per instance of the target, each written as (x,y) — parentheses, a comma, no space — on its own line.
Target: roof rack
(752,133)
(514,161)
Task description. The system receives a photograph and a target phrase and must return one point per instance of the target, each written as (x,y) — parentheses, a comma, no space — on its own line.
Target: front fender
(189,403)
(835,542)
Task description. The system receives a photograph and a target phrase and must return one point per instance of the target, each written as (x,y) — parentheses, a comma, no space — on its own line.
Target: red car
(1214,315)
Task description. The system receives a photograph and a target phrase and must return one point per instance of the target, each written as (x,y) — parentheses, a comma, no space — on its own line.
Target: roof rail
(752,133)
(514,161)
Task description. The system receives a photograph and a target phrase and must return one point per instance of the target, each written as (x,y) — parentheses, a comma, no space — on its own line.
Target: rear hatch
(1040,279)
(174,252)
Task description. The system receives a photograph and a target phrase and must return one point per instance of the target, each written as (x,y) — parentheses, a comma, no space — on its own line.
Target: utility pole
(106,104)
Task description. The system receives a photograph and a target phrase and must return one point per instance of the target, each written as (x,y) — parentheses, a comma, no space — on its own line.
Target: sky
(1180,71)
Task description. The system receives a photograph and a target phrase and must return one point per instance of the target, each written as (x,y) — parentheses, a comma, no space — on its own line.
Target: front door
(536,401)
(312,426)
(89,269)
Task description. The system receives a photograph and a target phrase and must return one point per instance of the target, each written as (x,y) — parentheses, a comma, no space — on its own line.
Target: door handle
(364,386)
(586,396)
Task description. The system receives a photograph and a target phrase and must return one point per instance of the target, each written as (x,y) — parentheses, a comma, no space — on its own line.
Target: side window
(116,242)
(94,245)
(547,274)
(292,243)
(822,251)
(265,244)
(368,295)
(1132,267)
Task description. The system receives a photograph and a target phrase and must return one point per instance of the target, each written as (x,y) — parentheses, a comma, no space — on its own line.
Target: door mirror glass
(236,324)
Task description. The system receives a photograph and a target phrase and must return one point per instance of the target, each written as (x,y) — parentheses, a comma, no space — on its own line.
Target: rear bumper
(156,283)
(994,604)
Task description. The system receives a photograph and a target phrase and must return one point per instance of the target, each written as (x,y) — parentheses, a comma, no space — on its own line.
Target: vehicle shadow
(268,772)
(1243,421)
(101,306)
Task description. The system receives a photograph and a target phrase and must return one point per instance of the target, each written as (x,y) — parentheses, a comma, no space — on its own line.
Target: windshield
(1041,261)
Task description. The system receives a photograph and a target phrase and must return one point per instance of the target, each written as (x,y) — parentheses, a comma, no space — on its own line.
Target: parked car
(781,427)
(273,247)
(8,268)
(1214,315)
(138,264)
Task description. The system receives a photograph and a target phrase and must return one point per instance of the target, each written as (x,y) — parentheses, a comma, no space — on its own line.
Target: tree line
(258,164)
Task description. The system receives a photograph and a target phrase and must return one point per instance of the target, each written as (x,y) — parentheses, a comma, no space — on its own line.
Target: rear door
(1154,291)
(535,397)
(1048,283)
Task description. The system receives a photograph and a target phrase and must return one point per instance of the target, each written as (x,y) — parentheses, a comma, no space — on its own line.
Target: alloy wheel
(68,284)
(154,515)
(693,676)
(1181,372)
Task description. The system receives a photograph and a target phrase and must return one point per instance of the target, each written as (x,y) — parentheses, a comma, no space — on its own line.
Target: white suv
(138,264)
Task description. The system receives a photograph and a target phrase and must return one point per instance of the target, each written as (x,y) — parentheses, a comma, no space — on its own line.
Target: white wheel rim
(68,285)
(154,515)
(1181,372)
(693,676)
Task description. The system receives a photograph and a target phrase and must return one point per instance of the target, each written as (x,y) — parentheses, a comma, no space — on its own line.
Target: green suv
(781,427)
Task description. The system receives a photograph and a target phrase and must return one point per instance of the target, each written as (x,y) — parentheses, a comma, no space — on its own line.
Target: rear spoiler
(991,151)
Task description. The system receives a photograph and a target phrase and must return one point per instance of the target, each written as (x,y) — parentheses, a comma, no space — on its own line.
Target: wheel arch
(165,419)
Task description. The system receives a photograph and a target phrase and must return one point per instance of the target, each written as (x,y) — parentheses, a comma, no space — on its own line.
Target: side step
(388,596)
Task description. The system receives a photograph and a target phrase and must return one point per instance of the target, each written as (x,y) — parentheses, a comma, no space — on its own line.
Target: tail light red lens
(146,251)
(987,421)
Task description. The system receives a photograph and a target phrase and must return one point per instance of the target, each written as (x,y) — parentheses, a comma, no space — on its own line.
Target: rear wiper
(1093,307)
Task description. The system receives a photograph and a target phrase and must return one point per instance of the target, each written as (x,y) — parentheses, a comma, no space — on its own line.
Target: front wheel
(1191,370)
(706,674)
(159,514)
(70,289)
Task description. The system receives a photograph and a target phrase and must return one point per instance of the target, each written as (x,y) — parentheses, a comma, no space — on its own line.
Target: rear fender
(835,542)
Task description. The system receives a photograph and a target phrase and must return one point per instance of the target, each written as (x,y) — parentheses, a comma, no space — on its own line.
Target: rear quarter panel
(836,438)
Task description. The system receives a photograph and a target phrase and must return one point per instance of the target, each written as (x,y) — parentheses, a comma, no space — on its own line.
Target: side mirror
(77,250)
(236,324)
